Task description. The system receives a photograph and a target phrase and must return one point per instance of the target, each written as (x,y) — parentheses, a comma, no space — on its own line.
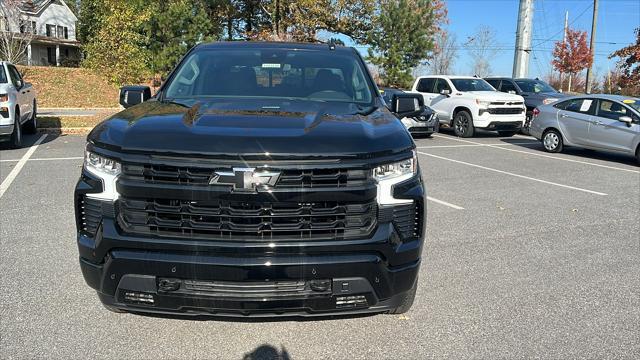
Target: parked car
(423,124)
(468,103)
(534,91)
(231,193)
(598,122)
(17,105)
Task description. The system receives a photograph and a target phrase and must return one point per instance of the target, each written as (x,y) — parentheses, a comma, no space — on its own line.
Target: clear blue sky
(616,21)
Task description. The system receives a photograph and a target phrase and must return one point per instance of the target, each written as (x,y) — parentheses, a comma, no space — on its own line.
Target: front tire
(463,124)
(552,141)
(16,136)
(32,125)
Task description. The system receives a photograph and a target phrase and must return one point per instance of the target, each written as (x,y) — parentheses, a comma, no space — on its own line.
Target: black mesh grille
(90,214)
(406,219)
(505,111)
(187,175)
(224,220)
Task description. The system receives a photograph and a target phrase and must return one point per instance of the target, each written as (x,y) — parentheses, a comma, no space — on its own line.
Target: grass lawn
(67,122)
(70,87)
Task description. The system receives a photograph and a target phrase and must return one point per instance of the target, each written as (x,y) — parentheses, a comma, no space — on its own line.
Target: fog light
(138,297)
(351,301)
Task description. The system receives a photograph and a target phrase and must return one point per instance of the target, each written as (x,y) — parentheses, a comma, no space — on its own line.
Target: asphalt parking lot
(527,254)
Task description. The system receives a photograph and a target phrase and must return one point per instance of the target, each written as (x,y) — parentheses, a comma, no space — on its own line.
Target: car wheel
(407,300)
(638,154)
(527,123)
(16,136)
(463,124)
(507,133)
(32,125)
(552,141)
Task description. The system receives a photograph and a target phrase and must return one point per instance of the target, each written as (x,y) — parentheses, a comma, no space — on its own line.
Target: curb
(66,131)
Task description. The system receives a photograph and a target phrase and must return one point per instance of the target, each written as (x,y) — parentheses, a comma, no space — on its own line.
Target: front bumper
(375,272)
(421,127)
(499,122)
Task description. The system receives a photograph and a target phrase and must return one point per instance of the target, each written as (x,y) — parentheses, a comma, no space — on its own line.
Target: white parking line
(47,159)
(515,175)
(444,203)
(500,146)
(476,145)
(16,170)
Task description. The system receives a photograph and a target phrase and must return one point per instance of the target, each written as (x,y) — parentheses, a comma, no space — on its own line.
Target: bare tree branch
(14,43)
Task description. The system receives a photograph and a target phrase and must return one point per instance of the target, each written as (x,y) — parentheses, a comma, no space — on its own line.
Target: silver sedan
(598,122)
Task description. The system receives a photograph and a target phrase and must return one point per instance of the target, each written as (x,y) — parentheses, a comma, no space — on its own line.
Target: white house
(53,26)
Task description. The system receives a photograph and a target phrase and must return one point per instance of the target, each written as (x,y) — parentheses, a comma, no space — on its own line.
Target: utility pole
(564,39)
(592,45)
(523,39)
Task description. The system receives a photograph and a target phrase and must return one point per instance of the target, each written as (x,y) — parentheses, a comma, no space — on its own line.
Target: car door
(608,132)
(425,87)
(574,118)
(443,104)
(22,96)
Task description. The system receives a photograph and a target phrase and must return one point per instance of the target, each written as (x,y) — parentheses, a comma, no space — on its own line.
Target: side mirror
(445,92)
(626,119)
(133,95)
(407,105)
(19,84)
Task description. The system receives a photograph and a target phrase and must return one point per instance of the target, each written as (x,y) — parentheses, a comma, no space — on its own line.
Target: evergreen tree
(403,37)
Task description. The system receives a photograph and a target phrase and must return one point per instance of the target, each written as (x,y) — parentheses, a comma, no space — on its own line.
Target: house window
(34,28)
(23,26)
(51,30)
(66,32)
(60,32)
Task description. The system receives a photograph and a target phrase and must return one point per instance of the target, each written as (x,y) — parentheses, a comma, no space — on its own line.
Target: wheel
(407,300)
(16,136)
(552,141)
(428,135)
(507,133)
(463,124)
(32,125)
(527,123)
(638,154)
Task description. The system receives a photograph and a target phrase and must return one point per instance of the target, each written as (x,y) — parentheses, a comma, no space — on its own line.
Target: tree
(444,54)
(89,19)
(572,56)
(175,27)
(403,36)
(117,49)
(481,46)
(629,64)
(15,32)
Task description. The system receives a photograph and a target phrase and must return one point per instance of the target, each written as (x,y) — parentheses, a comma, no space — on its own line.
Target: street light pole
(592,46)
(523,39)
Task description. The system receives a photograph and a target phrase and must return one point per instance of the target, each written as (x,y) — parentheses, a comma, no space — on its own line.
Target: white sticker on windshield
(270,66)
(586,104)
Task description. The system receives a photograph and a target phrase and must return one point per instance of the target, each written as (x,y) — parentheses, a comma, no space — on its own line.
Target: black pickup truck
(262,179)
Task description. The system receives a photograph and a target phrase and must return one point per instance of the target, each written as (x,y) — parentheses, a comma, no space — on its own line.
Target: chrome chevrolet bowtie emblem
(244,179)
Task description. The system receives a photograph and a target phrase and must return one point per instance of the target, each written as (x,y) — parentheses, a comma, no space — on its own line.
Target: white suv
(466,103)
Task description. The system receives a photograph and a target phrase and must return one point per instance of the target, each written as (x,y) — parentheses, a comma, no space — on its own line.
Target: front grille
(90,213)
(197,175)
(259,290)
(251,221)
(505,111)
(406,219)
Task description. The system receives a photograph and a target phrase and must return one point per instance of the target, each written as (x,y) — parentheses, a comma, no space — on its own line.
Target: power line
(560,32)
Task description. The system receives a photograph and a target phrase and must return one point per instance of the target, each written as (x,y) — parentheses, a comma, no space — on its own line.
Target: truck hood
(253,128)
(495,96)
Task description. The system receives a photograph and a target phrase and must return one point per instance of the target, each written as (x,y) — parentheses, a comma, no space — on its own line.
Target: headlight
(390,174)
(101,165)
(4,97)
(483,103)
(107,170)
(549,101)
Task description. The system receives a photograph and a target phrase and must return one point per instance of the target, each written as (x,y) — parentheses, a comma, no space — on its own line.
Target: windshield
(472,85)
(535,86)
(3,75)
(272,73)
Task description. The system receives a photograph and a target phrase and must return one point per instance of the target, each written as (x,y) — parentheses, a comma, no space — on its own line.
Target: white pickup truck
(17,105)
(467,103)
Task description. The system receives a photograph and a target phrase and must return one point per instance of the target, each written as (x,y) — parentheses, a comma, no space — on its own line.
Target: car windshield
(535,86)
(634,103)
(272,73)
(3,75)
(472,85)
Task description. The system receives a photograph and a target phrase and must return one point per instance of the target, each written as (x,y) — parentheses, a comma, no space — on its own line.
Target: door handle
(597,122)
(564,115)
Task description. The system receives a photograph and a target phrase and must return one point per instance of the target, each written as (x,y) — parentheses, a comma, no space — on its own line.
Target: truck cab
(17,105)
